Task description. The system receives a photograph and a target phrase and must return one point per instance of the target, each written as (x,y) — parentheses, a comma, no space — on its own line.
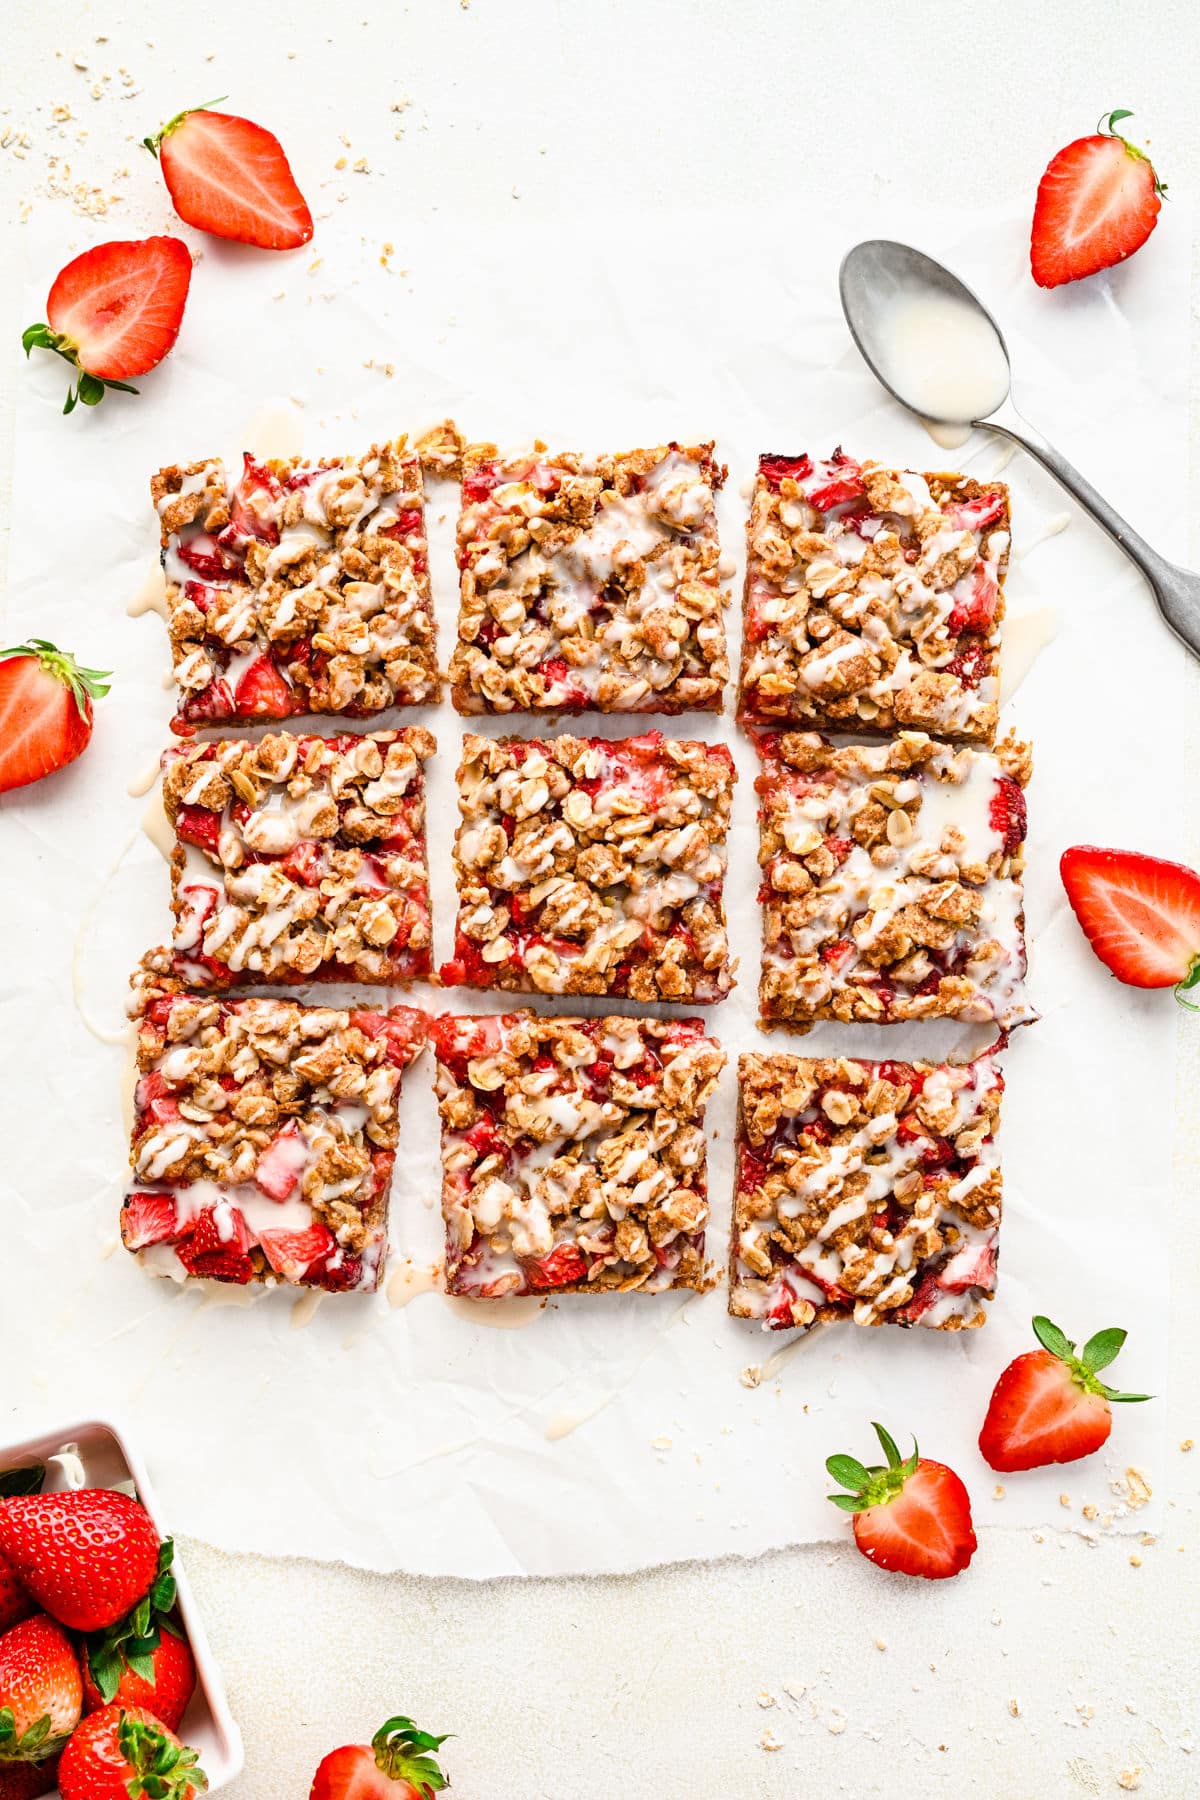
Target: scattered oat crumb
(1064,1500)
(881,1643)
(1014,1709)
(768,1741)
(1137,1487)
(341,162)
(1135,1562)
(751,1375)
(765,1699)
(1130,1778)
(998,1491)
(795,1690)
(661,1443)
(1187,1444)
(836,1725)
(1090,1511)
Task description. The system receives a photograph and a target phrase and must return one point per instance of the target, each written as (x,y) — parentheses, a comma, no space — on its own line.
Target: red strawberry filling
(148,1219)
(1006,813)
(974,608)
(198,825)
(564,1266)
(262,692)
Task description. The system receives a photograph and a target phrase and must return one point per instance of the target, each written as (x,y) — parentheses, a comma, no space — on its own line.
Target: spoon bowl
(936,348)
(931,342)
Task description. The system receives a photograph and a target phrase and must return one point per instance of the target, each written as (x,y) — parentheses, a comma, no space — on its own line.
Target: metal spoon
(873,276)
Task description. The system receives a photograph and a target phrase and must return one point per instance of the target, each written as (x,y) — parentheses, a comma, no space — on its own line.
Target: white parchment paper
(596,1435)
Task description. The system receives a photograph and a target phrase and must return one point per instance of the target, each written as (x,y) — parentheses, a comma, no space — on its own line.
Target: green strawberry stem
(1097,1353)
(1189,981)
(162,1770)
(85,684)
(1106,127)
(402,1753)
(876,1485)
(34,1744)
(155,139)
(90,389)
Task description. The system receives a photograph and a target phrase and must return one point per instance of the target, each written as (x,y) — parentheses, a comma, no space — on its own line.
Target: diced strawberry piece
(205,556)
(834,483)
(262,693)
(774,469)
(975,609)
(199,825)
(972,1267)
(479,483)
(405,524)
(1006,813)
(404,1027)
(973,515)
(200,594)
(294,1254)
(212,702)
(197,905)
(839,848)
(215,1258)
(282,1163)
(148,1219)
(837,952)
(254,511)
(341,1277)
(564,1265)
(306,863)
(970,665)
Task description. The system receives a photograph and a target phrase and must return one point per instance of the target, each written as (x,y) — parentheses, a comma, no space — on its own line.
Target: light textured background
(667,1682)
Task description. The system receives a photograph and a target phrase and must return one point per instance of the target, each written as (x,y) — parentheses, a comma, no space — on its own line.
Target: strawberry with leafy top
(126,1753)
(41,1693)
(115,312)
(1050,1406)
(1141,915)
(230,177)
(88,1557)
(912,1515)
(15,1603)
(143,1659)
(399,1764)
(28,1781)
(1097,203)
(45,711)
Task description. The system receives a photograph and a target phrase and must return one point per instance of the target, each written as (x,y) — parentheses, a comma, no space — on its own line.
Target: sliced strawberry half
(912,1515)
(1049,1406)
(1097,203)
(115,312)
(45,711)
(1140,915)
(230,177)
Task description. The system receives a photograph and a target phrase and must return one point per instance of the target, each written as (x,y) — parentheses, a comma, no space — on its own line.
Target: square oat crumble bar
(264,1135)
(298,587)
(590,866)
(874,599)
(573,1153)
(868,1191)
(300,858)
(891,880)
(590,584)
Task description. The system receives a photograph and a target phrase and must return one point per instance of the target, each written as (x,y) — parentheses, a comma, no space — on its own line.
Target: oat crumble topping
(573,1152)
(264,1135)
(590,866)
(874,598)
(590,584)
(298,587)
(868,1191)
(300,858)
(892,880)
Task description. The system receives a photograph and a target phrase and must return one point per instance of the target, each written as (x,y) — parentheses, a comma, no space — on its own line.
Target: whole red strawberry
(115,312)
(28,1781)
(1049,1405)
(15,1602)
(125,1753)
(230,177)
(397,1765)
(1097,203)
(87,1557)
(45,711)
(913,1515)
(162,1679)
(40,1690)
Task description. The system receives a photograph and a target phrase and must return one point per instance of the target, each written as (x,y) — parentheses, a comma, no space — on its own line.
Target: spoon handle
(1176,590)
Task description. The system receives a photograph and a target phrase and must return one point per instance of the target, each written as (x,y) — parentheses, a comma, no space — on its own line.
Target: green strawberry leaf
(1102,1349)
(848,1502)
(1052,1339)
(848,1471)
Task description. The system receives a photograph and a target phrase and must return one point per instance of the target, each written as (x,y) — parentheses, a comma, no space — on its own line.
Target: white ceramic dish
(96,1453)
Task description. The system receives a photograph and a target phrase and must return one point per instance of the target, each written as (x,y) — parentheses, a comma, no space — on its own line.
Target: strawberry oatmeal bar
(874,598)
(300,858)
(891,880)
(264,1135)
(590,866)
(865,1190)
(297,588)
(573,1153)
(590,584)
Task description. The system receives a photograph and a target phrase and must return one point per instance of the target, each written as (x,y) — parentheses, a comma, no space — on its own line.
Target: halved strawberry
(148,1219)
(1049,1405)
(1006,813)
(399,1764)
(45,711)
(913,1516)
(563,1265)
(1097,203)
(230,177)
(293,1254)
(1140,915)
(262,693)
(114,312)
